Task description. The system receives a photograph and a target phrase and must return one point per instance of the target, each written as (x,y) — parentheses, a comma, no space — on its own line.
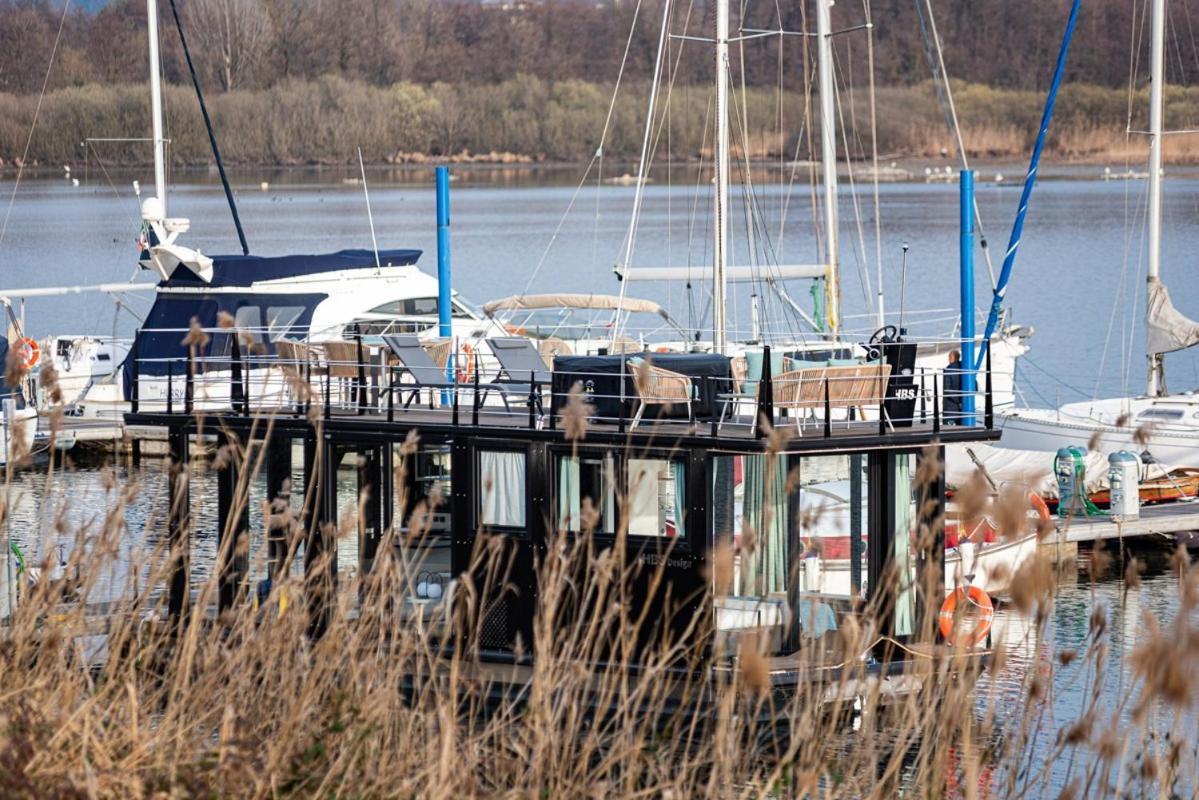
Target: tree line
(258,44)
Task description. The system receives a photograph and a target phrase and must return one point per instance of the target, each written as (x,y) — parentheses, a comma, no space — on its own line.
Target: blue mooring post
(969,384)
(444,283)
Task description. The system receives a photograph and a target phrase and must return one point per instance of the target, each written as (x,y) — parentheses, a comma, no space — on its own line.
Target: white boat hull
(992,565)
(1173,443)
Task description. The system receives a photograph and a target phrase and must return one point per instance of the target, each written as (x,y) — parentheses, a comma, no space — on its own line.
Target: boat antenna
(903,285)
(216,151)
(369,216)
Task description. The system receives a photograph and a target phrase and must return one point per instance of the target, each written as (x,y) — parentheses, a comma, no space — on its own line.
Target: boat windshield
(1160,413)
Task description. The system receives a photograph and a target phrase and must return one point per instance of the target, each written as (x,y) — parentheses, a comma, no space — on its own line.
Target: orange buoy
(1038,504)
(975,597)
(29,353)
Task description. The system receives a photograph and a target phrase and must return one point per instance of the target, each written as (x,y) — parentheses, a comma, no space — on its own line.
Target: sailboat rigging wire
(639,191)
(860,251)
(878,223)
(949,108)
(370,217)
(37,110)
(216,151)
(598,151)
(1030,180)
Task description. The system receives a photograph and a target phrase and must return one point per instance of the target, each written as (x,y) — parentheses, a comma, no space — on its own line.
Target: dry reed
(247,704)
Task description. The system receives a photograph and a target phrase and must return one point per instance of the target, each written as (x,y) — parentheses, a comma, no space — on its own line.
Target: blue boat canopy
(245,270)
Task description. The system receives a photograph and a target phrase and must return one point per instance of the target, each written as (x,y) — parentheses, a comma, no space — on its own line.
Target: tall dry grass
(326,120)
(247,704)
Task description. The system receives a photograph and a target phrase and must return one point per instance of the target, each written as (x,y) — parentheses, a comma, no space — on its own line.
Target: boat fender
(29,353)
(976,597)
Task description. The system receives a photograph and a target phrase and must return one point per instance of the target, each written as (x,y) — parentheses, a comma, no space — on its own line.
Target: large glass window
(586,492)
(501,489)
(794,532)
(657,497)
(421,518)
(422,491)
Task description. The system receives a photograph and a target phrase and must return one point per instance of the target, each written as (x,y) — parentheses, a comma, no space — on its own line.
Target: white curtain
(502,489)
(569,502)
(905,601)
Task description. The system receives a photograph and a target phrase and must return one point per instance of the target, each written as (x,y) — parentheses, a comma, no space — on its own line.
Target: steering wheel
(887,333)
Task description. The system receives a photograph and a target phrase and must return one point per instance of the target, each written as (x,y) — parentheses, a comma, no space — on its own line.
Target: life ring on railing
(1038,505)
(976,597)
(29,353)
(466,365)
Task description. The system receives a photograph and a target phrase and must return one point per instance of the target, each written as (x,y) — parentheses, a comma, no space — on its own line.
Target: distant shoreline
(530,123)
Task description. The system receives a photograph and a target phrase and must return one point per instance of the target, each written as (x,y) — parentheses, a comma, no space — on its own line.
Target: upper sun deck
(374,387)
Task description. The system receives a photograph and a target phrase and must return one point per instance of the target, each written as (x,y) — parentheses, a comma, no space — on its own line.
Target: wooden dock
(1166,521)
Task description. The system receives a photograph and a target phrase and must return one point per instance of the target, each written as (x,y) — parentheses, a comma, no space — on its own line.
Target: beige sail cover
(1166,329)
(530,302)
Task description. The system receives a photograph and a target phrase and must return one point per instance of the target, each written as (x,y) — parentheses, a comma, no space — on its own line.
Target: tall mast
(828,164)
(720,222)
(160,174)
(1157,79)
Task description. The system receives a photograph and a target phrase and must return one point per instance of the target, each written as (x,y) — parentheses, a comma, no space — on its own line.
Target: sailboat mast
(160,171)
(1157,79)
(720,226)
(828,163)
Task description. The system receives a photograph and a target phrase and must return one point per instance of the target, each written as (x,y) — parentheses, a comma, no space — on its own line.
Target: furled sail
(1166,329)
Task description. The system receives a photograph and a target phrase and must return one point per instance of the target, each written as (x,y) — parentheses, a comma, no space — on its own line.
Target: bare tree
(230,37)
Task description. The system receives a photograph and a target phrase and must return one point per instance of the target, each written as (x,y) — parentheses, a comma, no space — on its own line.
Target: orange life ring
(466,368)
(976,597)
(29,353)
(1038,504)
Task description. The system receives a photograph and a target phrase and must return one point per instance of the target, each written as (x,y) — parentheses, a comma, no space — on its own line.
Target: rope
(33,125)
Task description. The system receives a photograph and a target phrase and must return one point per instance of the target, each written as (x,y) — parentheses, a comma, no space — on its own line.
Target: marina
(749,472)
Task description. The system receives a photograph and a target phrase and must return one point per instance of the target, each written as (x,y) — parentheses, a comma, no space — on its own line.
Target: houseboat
(662,460)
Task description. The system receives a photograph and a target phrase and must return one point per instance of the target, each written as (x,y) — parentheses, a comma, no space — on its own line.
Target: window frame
(524,529)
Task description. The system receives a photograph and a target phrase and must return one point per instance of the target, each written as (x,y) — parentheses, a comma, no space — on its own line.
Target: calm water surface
(1078,282)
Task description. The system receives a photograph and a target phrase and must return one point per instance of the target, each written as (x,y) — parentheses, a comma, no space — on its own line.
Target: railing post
(189,388)
(454,392)
(391,393)
(474,417)
(361,394)
(989,398)
(237,388)
(532,399)
(307,404)
(765,394)
(936,405)
(882,413)
(923,399)
(620,421)
(137,375)
(828,410)
(170,387)
(328,392)
(715,429)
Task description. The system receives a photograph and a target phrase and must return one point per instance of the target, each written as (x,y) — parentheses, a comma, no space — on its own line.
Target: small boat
(989,566)
(81,361)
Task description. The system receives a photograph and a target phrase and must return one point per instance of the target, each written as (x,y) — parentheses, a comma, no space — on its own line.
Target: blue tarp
(245,270)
